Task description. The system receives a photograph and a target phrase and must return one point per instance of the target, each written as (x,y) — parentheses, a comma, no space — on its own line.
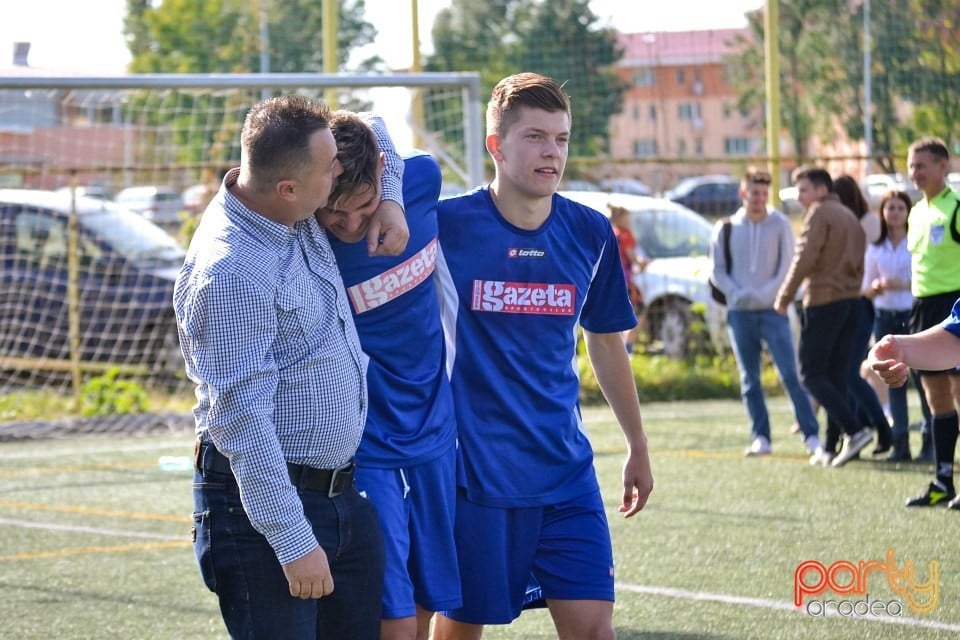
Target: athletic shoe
(812,443)
(936,494)
(759,447)
(821,457)
(954,504)
(852,444)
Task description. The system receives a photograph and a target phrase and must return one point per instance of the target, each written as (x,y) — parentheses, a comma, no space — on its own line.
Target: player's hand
(309,576)
(637,482)
(388,232)
(886,358)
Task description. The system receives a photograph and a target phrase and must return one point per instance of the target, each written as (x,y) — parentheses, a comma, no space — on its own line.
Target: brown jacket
(828,257)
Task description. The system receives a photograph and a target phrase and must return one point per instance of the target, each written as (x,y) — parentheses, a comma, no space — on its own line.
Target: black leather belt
(333,482)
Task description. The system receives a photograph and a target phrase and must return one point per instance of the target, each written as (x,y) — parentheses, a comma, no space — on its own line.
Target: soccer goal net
(102,180)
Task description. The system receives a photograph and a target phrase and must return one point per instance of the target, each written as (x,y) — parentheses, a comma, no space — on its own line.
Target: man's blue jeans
(239,566)
(749,331)
(896,323)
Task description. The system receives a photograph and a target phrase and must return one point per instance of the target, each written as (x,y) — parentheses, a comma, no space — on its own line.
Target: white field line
(160,446)
(117,533)
(761,603)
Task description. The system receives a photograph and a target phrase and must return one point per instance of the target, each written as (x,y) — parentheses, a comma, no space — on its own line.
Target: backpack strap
(726,239)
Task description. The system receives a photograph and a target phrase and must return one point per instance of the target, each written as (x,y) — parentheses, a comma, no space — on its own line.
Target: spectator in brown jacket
(828,261)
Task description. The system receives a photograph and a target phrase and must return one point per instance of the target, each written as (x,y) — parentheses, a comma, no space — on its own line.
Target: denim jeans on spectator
(241,568)
(897,323)
(824,358)
(749,331)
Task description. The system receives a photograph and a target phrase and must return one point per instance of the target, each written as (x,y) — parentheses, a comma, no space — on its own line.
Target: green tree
(561,38)
(223,36)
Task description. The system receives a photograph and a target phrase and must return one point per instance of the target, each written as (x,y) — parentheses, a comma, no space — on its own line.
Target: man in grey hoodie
(761,245)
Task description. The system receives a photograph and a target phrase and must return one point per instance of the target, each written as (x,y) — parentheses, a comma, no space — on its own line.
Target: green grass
(711,557)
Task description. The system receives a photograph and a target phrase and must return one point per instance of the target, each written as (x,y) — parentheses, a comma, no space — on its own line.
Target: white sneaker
(759,447)
(821,457)
(852,446)
(812,444)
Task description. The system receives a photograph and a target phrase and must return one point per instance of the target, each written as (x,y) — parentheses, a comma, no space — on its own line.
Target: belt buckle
(335,475)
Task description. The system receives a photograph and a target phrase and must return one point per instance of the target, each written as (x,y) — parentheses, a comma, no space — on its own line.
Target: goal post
(76,299)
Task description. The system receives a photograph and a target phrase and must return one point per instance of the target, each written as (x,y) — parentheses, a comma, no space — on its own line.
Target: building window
(681,147)
(688,111)
(636,113)
(727,110)
(698,146)
(644,77)
(736,146)
(645,148)
(681,76)
(653,113)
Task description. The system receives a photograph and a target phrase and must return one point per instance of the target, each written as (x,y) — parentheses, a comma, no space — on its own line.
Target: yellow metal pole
(416,67)
(330,64)
(772,68)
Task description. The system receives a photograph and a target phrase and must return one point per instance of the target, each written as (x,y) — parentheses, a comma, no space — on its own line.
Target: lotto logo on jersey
(386,286)
(523,297)
(513,252)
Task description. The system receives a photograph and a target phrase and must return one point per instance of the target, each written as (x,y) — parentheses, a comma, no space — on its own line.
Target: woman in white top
(886,280)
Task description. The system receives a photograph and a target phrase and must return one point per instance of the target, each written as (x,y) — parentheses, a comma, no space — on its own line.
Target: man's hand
(309,575)
(637,482)
(886,358)
(388,233)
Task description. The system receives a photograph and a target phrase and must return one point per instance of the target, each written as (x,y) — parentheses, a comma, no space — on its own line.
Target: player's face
(927,171)
(532,152)
(349,218)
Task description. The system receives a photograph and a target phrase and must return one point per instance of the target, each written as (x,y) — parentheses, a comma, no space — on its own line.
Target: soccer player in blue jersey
(406,463)
(520,269)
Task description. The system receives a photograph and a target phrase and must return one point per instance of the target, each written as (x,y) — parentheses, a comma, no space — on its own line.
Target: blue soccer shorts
(565,549)
(416,510)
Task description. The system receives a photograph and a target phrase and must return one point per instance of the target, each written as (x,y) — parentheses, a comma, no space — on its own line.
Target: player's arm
(388,233)
(615,377)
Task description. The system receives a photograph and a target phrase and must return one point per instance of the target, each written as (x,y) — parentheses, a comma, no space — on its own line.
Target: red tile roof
(678,47)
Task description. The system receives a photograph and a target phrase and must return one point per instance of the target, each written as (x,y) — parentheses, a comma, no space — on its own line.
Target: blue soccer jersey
(512,301)
(396,311)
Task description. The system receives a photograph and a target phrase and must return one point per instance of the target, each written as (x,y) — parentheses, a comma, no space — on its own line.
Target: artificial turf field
(94,539)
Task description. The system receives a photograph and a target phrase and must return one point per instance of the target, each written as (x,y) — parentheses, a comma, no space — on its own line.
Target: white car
(681,317)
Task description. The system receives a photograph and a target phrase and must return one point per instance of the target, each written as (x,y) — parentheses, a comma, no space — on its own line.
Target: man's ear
(493,147)
(382,164)
(286,189)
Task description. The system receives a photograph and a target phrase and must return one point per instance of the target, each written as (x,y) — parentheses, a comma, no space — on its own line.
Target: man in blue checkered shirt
(282,536)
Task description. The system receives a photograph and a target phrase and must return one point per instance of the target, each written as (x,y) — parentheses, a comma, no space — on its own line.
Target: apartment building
(680,116)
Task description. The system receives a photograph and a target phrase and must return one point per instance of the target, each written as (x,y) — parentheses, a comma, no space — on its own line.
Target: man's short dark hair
(816,175)
(523,90)
(275,139)
(358,153)
(932,145)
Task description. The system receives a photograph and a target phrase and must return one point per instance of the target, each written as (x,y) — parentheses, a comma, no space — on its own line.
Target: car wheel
(673,329)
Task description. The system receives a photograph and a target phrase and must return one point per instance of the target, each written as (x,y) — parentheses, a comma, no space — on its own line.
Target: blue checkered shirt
(269,340)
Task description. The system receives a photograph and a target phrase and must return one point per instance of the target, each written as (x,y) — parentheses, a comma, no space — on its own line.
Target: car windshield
(671,233)
(136,239)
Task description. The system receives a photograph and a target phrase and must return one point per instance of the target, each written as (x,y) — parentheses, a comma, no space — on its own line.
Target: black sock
(945,446)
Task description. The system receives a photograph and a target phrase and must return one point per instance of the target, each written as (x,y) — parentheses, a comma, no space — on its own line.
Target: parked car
(91,191)
(160,205)
(875,185)
(712,196)
(953,181)
(680,315)
(626,185)
(126,269)
(790,201)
